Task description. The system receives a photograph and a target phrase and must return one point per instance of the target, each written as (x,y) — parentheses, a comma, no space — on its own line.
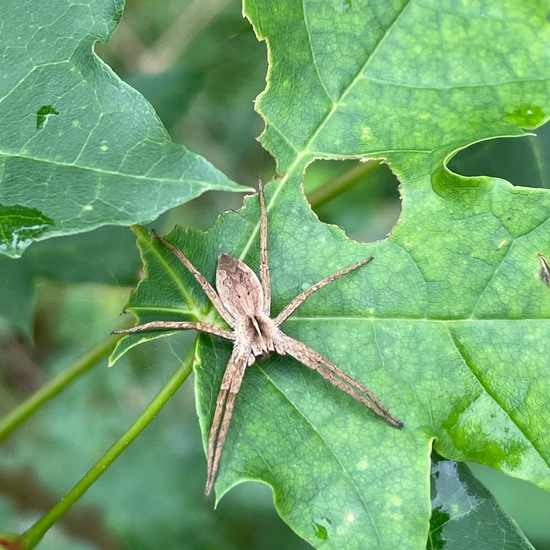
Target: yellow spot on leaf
(366,134)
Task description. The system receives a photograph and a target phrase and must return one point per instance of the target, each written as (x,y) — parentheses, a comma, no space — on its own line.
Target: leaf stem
(335,186)
(55,386)
(34,534)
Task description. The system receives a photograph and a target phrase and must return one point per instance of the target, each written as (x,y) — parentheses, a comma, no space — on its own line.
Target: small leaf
(466,515)
(19,226)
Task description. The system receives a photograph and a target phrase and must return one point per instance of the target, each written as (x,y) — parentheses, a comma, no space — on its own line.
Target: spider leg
(225,403)
(303,296)
(206,286)
(264,265)
(178,325)
(337,377)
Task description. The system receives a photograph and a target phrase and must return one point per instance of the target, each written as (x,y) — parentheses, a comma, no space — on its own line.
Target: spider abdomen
(239,287)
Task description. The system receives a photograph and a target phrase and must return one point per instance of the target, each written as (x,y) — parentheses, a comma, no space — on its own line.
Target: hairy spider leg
(303,296)
(264,265)
(225,403)
(337,377)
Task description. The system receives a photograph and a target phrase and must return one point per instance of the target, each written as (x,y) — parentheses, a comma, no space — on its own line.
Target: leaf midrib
(102,171)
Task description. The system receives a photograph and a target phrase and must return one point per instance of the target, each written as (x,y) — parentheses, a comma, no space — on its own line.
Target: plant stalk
(335,186)
(34,534)
(55,386)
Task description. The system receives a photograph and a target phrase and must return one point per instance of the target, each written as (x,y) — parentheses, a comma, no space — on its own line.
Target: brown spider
(244,301)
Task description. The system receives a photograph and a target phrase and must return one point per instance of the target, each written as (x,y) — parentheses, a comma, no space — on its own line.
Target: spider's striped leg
(328,370)
(225,404)
(303,296)
(177,325)
(264,265)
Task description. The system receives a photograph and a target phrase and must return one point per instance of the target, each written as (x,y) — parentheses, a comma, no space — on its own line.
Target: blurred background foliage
(198,62)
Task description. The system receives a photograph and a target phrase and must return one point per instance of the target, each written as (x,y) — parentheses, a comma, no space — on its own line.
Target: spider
(244,302)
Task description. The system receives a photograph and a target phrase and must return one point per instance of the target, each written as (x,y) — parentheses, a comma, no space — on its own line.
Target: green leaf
(404,334)
(465,515)
(19,225)
(449,325)
(319,449)
(80,148)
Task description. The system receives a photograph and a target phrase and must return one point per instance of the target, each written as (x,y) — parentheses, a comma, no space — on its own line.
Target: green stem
(334,187)
(54,387)
(32,536)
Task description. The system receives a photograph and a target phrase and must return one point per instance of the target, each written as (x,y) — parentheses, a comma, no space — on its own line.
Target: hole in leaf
(43,114)
(321,527)
(521,161)
(362,198)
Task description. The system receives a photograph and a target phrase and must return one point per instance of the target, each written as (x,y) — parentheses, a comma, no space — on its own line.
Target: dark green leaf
(19,226)
(522,162)
(43,115)
(465,515)
(103,157)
